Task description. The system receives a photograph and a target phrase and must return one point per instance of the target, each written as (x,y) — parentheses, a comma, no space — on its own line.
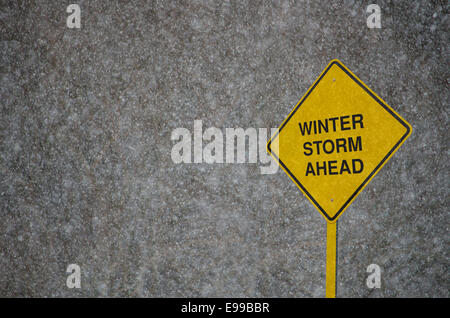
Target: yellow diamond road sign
(336,139)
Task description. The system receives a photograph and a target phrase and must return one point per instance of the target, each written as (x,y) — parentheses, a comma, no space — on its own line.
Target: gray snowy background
(86,175)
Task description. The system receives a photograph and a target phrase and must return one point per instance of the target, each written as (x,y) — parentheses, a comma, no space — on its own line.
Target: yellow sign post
(332,144)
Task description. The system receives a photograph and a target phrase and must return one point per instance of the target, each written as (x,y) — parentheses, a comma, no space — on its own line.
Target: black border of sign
(400,120)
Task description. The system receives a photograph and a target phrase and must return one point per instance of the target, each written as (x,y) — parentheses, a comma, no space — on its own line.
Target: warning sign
(336,139)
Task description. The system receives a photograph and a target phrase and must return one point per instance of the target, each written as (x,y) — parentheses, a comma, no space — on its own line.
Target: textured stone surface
(86,174)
